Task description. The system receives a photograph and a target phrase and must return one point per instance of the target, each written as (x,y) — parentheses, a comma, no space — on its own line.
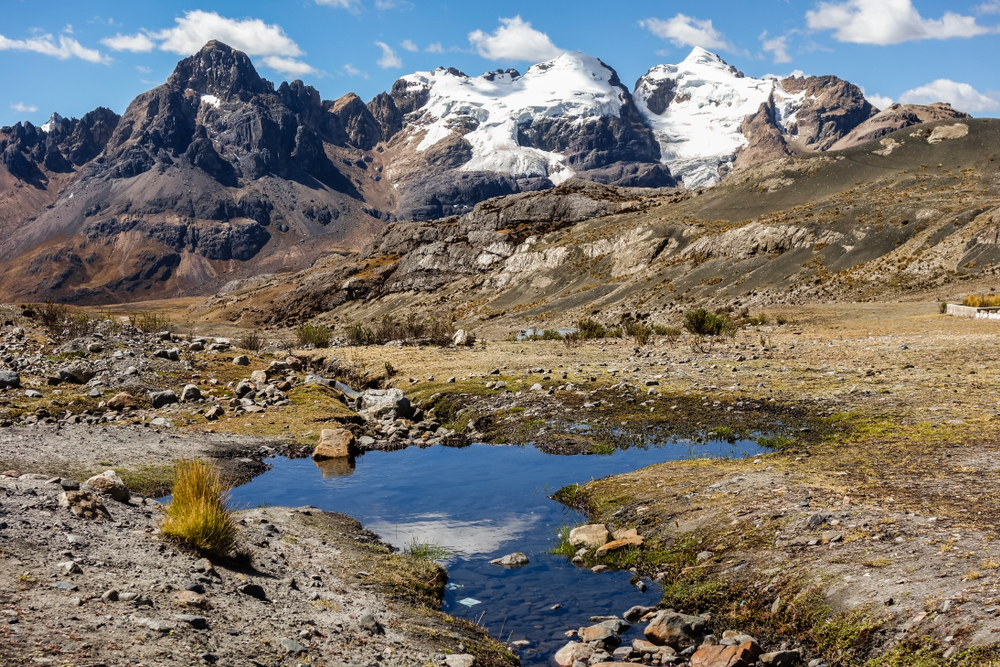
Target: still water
(483,502)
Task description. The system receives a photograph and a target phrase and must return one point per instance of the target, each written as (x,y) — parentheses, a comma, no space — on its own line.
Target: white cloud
(252,36)
(68,30)
(409,45)
(288,66)
(66,48)
(350,5)
(991,7)
(880,101)
(684,30)
(776,46)
(144,70)
(888,22)
(515,39)
(962,96)
(354,71)
(435,48)
(21,107)
(392,4)
(138,43)
(389,58)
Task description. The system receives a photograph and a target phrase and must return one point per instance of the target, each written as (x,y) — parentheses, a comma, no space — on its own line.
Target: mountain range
(218,175)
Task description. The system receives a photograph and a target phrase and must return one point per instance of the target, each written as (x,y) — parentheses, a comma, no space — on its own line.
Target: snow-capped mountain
(697,110)
(491,110)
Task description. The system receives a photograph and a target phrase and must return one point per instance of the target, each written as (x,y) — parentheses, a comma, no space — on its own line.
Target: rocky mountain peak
(700,57)
(220,71)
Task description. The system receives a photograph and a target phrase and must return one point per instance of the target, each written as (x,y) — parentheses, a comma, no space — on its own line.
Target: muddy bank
(320,590)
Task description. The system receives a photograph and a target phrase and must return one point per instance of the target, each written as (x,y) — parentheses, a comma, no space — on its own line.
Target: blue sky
(73,56)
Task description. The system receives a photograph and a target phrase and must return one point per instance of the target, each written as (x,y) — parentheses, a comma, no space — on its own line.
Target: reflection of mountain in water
(460,538)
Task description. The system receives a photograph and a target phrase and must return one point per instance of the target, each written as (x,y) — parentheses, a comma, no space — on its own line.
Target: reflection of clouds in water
(464,538)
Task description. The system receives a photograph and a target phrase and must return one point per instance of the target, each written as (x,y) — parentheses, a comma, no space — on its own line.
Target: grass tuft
(429,551)
(199,510)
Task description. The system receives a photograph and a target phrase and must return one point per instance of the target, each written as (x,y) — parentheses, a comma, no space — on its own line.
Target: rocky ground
(867,530)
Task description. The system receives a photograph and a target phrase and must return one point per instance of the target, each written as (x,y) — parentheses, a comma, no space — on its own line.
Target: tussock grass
(199,510)
(976,301)
(429,551)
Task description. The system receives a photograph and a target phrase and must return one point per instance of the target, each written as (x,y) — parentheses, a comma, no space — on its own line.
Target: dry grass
(199,510)
(976,301)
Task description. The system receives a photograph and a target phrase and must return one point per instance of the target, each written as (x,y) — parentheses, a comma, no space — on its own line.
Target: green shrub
(252,341)
(590,328)
(147,321)
(702,322)
(637,330)
(316,335)
(199,510)
(943,307)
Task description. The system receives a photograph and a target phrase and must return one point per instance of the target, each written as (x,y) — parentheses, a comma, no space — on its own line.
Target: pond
(482,502)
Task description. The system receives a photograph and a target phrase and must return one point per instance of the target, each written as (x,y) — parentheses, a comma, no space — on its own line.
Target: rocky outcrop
(896,117)
(830,109)
(29,153)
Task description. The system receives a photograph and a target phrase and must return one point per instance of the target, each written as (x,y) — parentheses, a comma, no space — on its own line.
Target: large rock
(573,652)
(85,505)
(378,403)
(78,372)
(623,538)
(335,444)
(723,656)
(109,483)
(591,536)
(675,630)
(600,633)
(162,398)
(122,401)
(463,338)
(190,392)
(9,380)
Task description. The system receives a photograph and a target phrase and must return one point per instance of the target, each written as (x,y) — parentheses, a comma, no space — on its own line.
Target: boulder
(780,659)
(84,505)
(122,401)
(677,631)
(635,613)
(9,380)
(723,656)
(161,398)
(378,403)
(110,484)
(190,392)
(599,633)
(293,363)
(78,372)
(241,360)
(627,539)
(460,660)
(214,412)
(259,378)
(463,338)
(591,536)
(511,561)
(335,444)
(573,652)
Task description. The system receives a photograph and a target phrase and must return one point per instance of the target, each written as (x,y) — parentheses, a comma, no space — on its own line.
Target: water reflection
(336,467)
(462,539)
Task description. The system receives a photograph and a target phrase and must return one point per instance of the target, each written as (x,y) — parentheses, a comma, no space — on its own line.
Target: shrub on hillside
(315,335)
(703,322)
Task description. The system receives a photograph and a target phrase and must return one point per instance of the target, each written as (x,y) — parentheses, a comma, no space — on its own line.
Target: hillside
(912,215)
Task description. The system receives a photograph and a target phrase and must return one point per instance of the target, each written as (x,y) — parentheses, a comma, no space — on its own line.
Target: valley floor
(867,534)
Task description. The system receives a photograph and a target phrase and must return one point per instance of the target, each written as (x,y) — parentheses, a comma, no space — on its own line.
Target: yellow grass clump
(976,301)
(199,510)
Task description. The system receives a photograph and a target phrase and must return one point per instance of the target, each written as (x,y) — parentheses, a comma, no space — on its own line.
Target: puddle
(483,502)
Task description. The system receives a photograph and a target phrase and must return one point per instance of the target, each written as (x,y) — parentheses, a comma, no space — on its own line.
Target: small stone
(191,599)
(780,659)
(241,360)
(460,660)
(155,626)
(335,444)
(214,412)
(704,555)
(371,625)
(69,567)
(160,399)
(110,595)
(597,569)
(65,586)
(197,622)
(122,401)
(31,393)
(592,535)
(511,561)
(69,484)
(190,392)
(84,505)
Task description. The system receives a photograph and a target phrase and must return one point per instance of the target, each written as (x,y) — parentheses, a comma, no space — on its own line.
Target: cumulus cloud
(515,39)
(962,96)
(880,101)
(21,107)
(684,30)
(389,58)
(435,48)
(252,36)
(354,71)
(409,45)
(64,49)
(138,43)
(777,47)
(288,66)
(277,50)
(888,22)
